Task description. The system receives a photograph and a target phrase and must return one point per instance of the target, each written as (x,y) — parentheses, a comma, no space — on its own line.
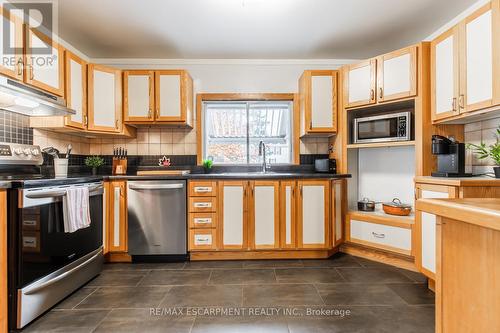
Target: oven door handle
(56,194)
(62,276)
(156,187)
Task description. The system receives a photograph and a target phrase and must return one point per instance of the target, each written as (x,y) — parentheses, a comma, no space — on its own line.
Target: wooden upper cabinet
(173,96)
(313,214)
(359,83)
(139,100)
(104,98)
(76,90)
(12,65)
(397,74)
(445,74)
(44,71)
(477,40)
(318,101)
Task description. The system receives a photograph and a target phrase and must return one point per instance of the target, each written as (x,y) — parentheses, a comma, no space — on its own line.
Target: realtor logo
(37,15)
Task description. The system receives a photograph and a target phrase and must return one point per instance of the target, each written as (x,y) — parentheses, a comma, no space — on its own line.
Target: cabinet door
(397,74)
(44,71)
(117,239)
(3,262)
(288,214)
(138,99)
(337,212)
(233,214)
(444,75)
(12,62)
(104,98)
(264,215)
(76,90)
(314,213)
(426,226)
(169,96)
(321,112)
(359,84)
(476,60)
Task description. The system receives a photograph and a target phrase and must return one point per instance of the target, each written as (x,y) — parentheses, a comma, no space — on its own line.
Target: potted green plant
(493,151)
(94,162)
(207,165)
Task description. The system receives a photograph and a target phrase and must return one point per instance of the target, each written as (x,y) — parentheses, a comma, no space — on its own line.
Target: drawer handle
(203,220)
(378,235)
(203,240)
(205,189)
(202,204)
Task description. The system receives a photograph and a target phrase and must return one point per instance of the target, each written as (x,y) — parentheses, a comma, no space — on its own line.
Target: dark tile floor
(342,294)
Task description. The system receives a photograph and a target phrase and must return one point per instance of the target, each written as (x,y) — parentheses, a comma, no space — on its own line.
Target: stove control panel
(19,154)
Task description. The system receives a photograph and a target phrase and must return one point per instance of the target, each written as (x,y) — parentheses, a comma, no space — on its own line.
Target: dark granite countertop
(236,175)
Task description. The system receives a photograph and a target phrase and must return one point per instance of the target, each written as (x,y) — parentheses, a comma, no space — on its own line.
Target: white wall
(386,173)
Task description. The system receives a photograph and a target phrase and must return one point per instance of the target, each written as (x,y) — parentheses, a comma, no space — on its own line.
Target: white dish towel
(76,209)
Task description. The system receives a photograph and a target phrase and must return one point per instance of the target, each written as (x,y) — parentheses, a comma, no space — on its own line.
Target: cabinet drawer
(202,189)
(202,239)
(202,220)
(202,204)
(386,237)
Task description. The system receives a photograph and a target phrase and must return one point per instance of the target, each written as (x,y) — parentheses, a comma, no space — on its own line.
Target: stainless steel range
(46,263)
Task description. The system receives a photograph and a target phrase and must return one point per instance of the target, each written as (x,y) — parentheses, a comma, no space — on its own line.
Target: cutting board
(162,172)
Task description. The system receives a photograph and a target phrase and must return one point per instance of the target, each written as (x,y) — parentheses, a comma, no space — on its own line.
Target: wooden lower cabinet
(425,223)
(3,261)
(313,214)
(338,206)
(117,217)
(233,213)
(264,216)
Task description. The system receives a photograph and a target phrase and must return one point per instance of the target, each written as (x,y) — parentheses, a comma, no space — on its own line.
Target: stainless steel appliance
(45,263)
(383,128)
(157,220)
(21,98)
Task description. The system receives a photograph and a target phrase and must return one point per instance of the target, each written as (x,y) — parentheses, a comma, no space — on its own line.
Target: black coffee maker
(450,157)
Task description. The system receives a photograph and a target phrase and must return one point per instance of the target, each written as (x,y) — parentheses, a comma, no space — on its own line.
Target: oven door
(43,245)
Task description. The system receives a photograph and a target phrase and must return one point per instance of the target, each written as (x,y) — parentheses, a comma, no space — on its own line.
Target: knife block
(119,166)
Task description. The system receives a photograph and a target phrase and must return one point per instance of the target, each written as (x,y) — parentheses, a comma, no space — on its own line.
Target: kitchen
(157,178)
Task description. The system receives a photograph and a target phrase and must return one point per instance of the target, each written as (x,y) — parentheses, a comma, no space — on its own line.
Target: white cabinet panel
(322,101)
(46,72)
(313,214)
(428,227)
(116,216)
(397,75)
(76,88)
(288,214)
(138,96)
(445,75)
(104,99)
(398,238)
(233,215)
(264,215)
(360,86)
(170,96)
(479,59)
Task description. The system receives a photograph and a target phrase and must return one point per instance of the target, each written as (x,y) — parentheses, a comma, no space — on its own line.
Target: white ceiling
(250,29)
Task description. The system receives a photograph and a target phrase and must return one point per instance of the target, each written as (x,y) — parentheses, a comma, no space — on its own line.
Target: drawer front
(202,189)
(202,220)
(202,239)
(202,204)
(379,235)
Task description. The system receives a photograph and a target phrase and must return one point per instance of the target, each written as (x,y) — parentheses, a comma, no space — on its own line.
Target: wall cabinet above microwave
(161,96)
(389,77)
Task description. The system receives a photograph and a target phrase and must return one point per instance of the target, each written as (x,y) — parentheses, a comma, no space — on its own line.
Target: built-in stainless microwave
(383,128)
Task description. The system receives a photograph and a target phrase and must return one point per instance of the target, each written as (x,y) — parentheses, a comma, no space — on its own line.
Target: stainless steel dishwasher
(157,220)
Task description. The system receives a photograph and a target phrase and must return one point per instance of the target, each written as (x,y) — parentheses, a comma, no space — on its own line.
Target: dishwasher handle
(156,187)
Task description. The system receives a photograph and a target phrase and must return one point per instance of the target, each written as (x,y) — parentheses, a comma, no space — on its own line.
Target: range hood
(21,98)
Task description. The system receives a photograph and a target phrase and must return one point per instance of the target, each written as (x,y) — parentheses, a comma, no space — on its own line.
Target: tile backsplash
(15,128)
(60,141)
(477,132)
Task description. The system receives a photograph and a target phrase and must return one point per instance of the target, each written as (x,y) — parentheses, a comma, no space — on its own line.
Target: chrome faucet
(262,152)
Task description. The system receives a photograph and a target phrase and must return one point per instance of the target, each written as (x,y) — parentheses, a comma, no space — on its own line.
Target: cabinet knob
(372,94)
(116,123)
(157,113)
(20,66)
(461,101)
(381,92)
(150,113)
(454,104)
